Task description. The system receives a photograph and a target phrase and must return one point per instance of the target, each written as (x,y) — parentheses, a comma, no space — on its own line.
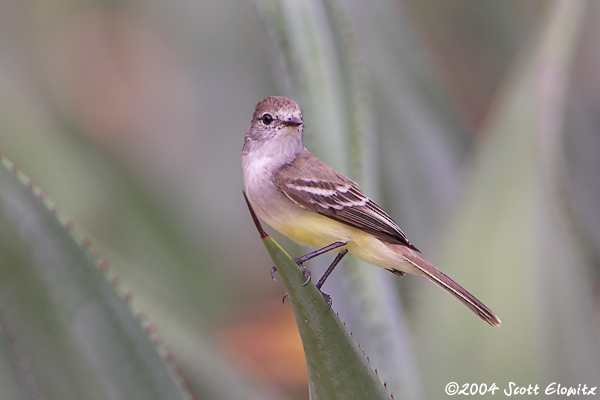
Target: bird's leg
(301,260)
(330,269)
(318,252)
(328,272)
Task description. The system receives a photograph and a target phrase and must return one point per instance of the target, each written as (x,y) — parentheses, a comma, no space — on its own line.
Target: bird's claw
(328,300)
(325,296)
(273,270)
(306,271)
(308,275)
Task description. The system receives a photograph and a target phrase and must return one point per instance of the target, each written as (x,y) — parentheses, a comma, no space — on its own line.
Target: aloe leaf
(337,368)
(67,331)
(10,381)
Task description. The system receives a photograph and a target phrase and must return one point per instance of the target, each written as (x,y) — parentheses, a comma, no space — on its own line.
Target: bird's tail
(445,282)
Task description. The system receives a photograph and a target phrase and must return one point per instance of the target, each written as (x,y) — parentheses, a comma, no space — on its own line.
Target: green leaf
(337,368)
(66,333)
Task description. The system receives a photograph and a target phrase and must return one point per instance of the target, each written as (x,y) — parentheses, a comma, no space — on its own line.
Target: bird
(310,202)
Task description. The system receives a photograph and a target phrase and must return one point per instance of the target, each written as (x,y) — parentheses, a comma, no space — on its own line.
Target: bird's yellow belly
(319,231)
(314,230)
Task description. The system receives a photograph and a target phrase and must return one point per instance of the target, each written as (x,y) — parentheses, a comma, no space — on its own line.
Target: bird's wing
(314,185)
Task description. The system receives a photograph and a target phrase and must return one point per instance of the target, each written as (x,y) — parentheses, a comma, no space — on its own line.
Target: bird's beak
(293,121)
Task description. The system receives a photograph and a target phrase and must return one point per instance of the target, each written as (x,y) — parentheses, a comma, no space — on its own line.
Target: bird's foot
(273,270)
(327,299)
(306,271)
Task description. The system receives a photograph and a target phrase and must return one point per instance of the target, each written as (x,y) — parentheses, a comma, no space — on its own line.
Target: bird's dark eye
(267,119)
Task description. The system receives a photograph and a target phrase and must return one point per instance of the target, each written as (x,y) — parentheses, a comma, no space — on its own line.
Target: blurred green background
(483,140)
